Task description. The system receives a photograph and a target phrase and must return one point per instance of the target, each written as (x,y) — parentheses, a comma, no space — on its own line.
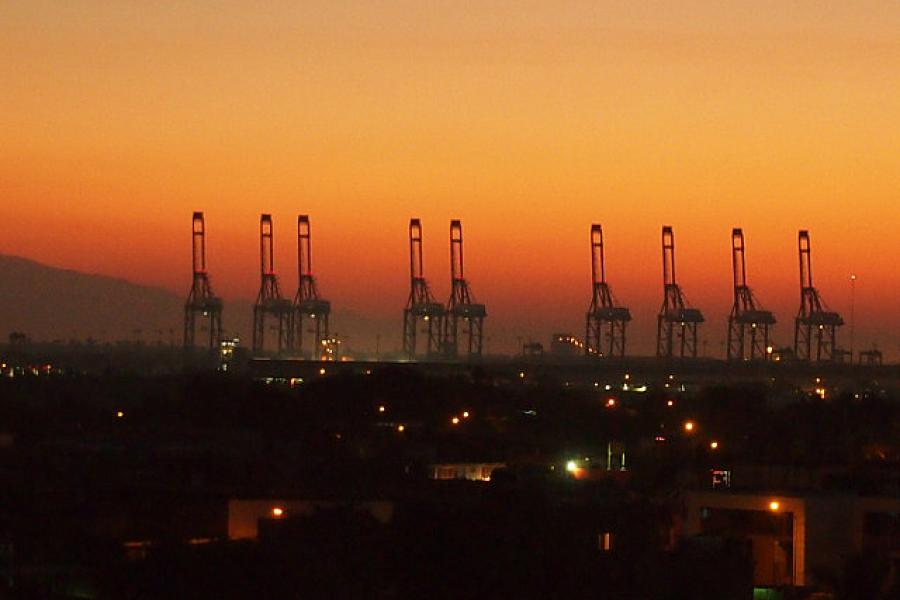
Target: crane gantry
(748,324)
(605,319)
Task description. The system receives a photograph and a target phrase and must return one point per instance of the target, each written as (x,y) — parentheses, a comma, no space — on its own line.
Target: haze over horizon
(528,121)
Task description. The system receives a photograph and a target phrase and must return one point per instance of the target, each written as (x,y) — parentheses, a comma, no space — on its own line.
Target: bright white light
(571,466)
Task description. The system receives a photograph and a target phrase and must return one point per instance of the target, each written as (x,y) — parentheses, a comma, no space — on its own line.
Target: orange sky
(527,120)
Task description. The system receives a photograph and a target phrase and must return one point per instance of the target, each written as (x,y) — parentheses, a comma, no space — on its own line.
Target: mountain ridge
(49,304)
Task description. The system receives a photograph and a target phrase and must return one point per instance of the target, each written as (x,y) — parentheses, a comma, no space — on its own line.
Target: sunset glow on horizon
(528,121)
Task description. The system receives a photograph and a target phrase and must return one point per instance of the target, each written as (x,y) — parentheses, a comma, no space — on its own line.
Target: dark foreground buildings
(388,481)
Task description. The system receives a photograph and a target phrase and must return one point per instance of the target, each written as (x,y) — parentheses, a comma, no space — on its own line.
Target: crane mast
(269,302)
(463,314)
(201,301)
(748,324)
(308,305)
(605,321)
(814,325)
(675,321)
(421,309)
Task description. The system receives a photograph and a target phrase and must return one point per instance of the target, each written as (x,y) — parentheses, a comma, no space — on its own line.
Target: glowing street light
(571,466)
(714,445)
(277,512)
(455,420)
(689,426)
(774,505)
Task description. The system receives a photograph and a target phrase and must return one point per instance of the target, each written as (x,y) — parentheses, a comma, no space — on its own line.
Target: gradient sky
(527,120)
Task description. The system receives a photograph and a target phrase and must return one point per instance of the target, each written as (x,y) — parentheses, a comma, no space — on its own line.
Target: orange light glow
(455,420)
(774,505)
(277,512)
(689,426)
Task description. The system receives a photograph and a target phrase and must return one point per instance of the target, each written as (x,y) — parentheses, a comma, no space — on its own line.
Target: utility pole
(852,306)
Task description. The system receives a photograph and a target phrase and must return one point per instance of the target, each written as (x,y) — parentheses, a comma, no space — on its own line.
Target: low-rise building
(798,538)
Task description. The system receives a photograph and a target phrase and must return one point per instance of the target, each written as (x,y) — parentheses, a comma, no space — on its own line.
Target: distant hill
(47,304)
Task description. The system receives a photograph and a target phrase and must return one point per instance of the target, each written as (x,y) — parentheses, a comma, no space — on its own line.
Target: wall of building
(244,514)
